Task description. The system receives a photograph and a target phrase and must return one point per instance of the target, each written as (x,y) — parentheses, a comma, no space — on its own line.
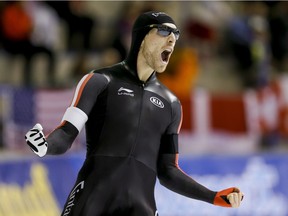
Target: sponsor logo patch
(157,102)
(71,202)
(125,91)
(157,14)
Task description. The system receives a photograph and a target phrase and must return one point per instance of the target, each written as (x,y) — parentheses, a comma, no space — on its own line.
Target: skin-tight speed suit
(132,134)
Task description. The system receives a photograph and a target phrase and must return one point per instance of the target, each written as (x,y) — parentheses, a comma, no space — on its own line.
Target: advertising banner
(263,180)
(35,186)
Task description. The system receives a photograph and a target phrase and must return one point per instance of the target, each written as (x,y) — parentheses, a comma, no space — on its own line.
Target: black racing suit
(132,138)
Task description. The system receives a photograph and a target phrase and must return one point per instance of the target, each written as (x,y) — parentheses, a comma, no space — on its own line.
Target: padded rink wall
(33,186)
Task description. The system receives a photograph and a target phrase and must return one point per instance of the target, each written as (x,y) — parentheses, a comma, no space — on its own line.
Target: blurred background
(229,69)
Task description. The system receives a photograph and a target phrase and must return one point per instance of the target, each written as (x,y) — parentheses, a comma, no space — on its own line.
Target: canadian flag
(233,123)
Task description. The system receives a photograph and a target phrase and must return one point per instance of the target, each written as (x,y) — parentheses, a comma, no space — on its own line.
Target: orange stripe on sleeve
(177,165)
(62,123)
(176,161)
(79,89)
(180,124)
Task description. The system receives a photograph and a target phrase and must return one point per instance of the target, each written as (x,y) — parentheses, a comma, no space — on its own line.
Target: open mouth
(165,55)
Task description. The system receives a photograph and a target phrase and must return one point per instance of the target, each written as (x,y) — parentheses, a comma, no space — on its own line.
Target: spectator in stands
(80,27)
(17,27)
(247,35)
(183,68)
(79,24)
(45,34)
(278,26)
(123,26)
(260,50)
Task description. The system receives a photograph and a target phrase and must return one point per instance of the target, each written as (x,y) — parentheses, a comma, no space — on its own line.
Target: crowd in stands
(252,36)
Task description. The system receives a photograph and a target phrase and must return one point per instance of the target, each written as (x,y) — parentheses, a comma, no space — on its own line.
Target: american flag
(50,107)
(31,106)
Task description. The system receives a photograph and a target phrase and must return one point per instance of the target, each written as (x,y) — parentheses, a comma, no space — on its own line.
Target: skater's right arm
(74,119)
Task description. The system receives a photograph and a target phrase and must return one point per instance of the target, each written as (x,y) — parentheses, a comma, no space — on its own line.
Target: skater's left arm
(171,176)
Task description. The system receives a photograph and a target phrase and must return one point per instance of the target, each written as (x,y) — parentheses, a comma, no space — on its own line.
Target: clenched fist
(36,140)
(230,197)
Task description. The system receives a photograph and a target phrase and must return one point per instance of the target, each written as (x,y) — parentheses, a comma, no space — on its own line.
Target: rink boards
(33,186)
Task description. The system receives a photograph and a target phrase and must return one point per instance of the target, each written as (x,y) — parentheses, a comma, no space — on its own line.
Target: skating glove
(230,197)
(36,140)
